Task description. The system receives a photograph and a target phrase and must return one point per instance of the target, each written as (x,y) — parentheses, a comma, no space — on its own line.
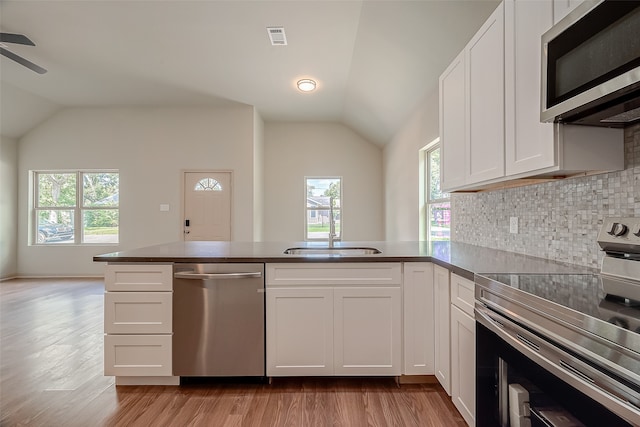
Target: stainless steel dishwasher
(218,320)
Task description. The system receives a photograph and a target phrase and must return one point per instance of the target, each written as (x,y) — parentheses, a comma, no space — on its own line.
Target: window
(437,204)
(80,207)
(321,195)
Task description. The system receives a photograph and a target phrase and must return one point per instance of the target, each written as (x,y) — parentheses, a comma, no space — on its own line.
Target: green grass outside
(94,231)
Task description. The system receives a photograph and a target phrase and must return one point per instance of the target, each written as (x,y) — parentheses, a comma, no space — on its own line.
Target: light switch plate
(164,208)
(513,225)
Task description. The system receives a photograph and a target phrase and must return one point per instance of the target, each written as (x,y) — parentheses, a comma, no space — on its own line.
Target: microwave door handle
(217,276)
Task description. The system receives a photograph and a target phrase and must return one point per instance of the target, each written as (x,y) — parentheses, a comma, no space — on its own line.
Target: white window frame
(307,209)
(425,193)
(78,209)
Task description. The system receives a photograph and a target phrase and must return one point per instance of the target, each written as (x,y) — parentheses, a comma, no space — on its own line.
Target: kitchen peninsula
(406,311)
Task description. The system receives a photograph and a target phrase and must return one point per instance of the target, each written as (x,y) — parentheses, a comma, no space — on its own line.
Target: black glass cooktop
(584,293)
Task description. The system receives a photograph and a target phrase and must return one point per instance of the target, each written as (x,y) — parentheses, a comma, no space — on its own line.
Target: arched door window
(208,184)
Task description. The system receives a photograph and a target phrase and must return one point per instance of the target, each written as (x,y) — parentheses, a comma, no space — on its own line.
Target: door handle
(217,276)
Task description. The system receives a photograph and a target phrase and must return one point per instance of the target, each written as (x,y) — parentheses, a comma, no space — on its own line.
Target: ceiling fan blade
(15,38)
(20,60)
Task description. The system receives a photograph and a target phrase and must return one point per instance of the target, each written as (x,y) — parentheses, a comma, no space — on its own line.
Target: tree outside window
(438,203)
(321,195)
(78,207)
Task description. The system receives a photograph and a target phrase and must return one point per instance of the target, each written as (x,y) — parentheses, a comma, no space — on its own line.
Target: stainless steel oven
(562,350)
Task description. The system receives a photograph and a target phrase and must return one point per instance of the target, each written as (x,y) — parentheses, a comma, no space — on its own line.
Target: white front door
(207,206)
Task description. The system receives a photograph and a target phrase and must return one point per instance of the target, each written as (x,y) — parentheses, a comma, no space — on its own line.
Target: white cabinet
(418,319)
(463,348)
(485,101)
(562,8)
(138,322)
(453,123)
(504,139)
(442,327)
(472,109)
(367,331)
(529,143)
(299,331)
(334,319)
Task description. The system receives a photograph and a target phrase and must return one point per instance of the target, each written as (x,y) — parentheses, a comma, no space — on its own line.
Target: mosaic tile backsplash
(557,220)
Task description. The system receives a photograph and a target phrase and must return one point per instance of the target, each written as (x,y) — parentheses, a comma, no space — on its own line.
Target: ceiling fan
(18,39)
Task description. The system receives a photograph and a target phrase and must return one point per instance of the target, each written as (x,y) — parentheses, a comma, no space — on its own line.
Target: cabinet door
(442,306)
(418,319)
(463,364)
(367,331)
(299,331)
(452,124)
(529,143)
(485,101)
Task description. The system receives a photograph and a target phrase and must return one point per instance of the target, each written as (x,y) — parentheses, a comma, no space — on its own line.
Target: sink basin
(332,251)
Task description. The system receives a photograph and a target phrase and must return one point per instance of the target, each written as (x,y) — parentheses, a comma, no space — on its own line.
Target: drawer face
(137,355)
(138,312)
(138,277)
(331,274)
(462,294)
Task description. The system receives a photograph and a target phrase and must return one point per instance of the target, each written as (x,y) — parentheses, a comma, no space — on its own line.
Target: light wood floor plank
(51,374)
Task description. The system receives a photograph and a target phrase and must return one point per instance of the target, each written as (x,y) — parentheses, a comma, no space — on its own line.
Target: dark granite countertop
(460,258)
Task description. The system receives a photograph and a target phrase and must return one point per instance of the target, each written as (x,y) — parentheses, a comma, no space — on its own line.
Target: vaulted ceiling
(374,61)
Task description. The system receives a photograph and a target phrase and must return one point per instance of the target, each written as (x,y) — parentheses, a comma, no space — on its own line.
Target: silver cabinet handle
(217,276)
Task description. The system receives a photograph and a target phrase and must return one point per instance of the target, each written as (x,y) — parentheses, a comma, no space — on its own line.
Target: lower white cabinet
(138,321)
(463,348)
(137,355)
(418,313)
(442,326)
(367,331)
(300,331)
(341,327)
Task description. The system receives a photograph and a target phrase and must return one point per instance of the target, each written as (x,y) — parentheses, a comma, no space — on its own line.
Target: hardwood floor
(51,375)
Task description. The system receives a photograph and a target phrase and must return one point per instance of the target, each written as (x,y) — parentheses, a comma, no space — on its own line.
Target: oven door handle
(617,397)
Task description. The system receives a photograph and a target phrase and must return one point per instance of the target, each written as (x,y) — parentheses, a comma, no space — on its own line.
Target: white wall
(151,147)
(296,150)
(8,207)
(401,171)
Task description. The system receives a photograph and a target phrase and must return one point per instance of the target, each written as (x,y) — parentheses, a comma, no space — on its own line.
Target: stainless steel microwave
(591,66)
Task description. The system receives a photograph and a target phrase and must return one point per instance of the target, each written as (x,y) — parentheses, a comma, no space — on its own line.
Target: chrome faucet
(332,224)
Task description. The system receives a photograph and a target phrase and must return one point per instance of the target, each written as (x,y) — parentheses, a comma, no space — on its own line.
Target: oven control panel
(619,233)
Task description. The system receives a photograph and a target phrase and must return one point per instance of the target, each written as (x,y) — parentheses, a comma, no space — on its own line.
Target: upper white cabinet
(562,8)
(484,56)
(452,123)
(472,108)
(530,143)
(503,136)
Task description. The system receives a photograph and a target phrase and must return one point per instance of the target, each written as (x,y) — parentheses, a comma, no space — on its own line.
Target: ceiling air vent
(277,36)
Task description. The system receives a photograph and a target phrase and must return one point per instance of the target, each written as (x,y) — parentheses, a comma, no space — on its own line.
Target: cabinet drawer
(138,277)
(369,274)
(137,312)
(137,355)
(462,294)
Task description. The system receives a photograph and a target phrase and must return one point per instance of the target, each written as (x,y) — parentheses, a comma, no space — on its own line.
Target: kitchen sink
(332,251)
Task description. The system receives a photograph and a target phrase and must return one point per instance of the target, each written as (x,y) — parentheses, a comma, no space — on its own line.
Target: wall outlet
(164,208)
(513,225)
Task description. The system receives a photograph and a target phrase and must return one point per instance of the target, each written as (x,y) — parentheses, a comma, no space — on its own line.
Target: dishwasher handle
(217,276)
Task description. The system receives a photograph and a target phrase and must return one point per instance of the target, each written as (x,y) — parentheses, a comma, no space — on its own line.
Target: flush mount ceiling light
(306,85)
